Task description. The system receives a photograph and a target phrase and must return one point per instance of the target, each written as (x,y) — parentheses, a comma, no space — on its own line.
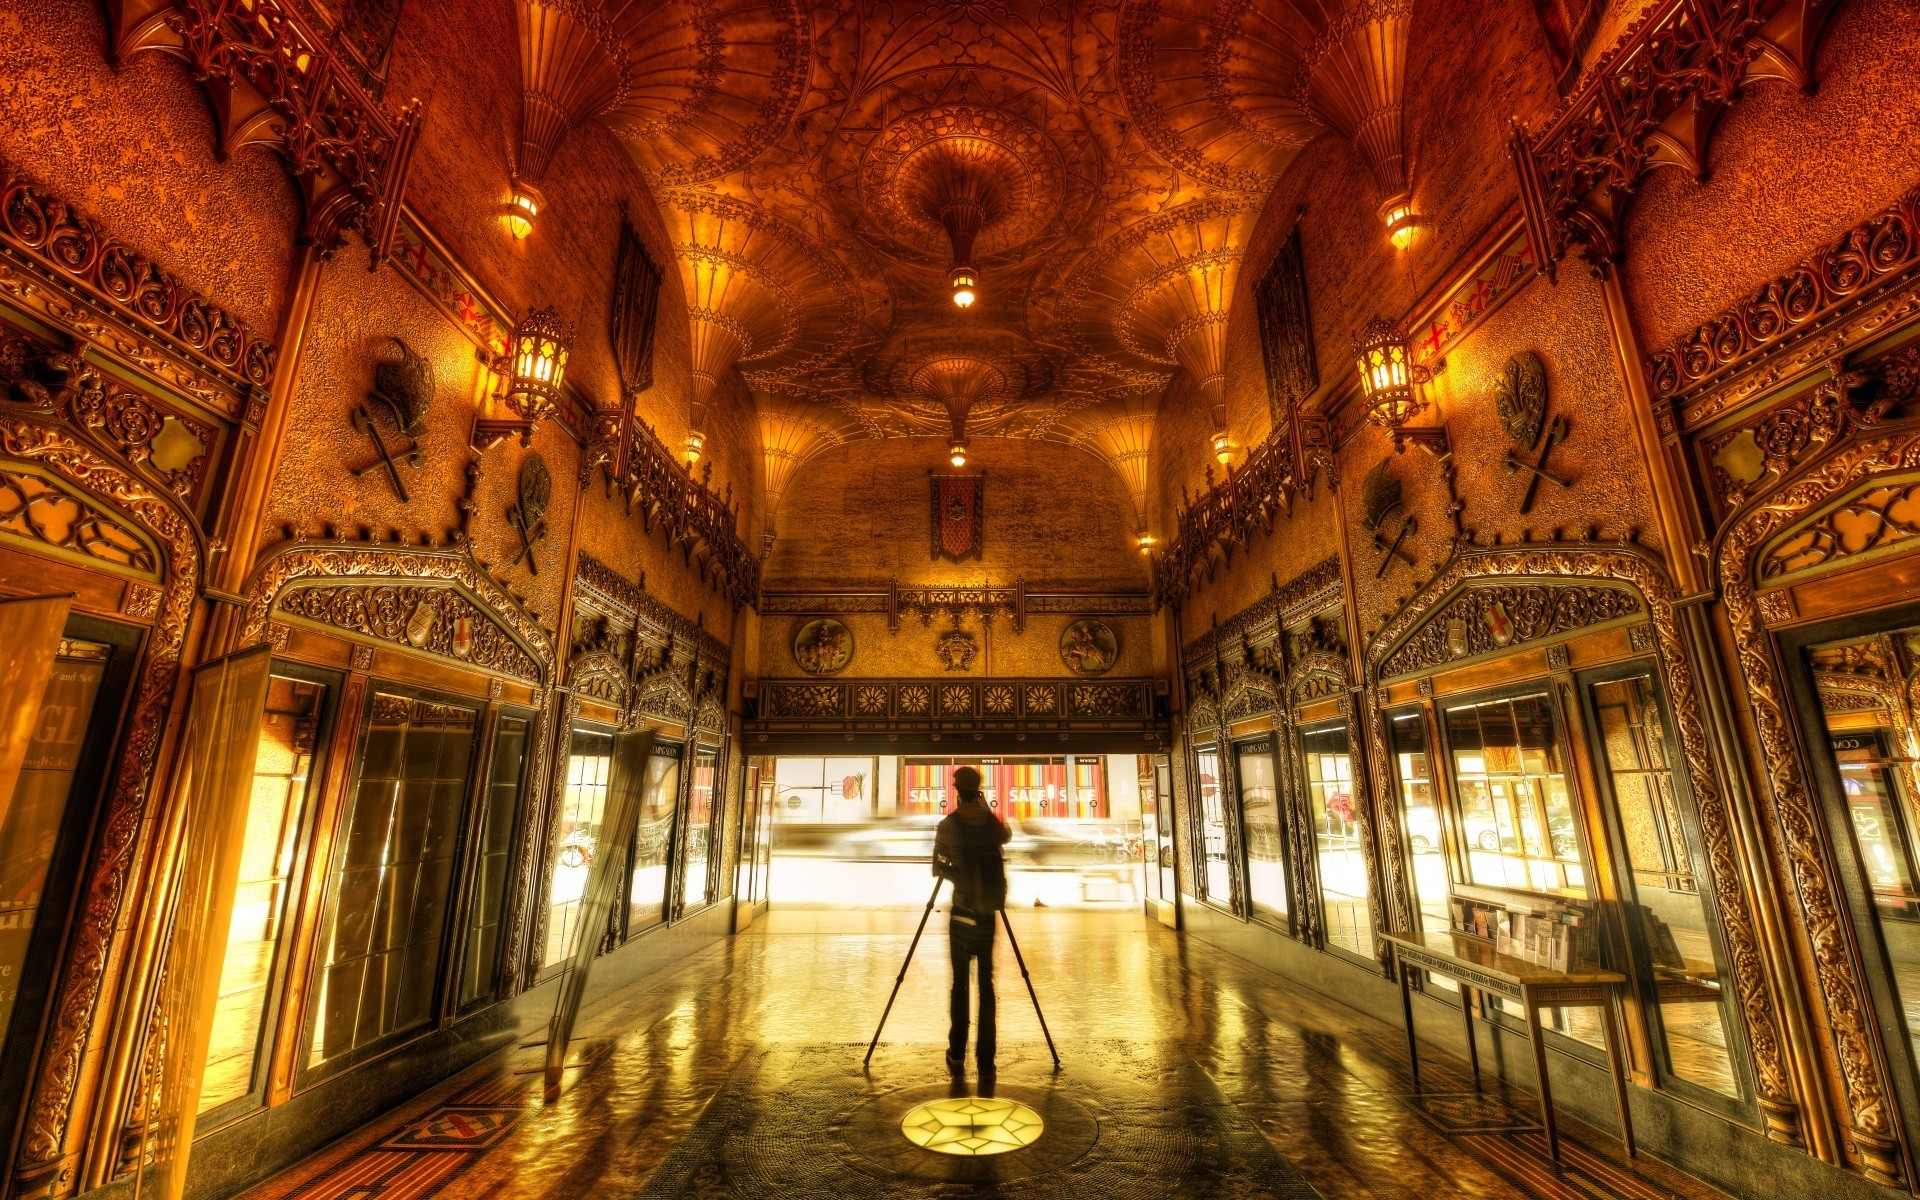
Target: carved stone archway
(1798,827)
(1625,567)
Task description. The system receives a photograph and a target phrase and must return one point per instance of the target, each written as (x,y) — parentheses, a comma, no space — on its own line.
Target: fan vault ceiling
(1114,153)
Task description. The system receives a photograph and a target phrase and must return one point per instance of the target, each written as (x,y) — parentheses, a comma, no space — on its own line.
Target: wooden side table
(1476,965)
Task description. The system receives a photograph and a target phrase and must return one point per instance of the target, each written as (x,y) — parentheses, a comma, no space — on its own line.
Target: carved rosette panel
(804,700)
(1799,825)
(1106,700)
(48,1140)
(1636,570)
(1483,620)
(396,613)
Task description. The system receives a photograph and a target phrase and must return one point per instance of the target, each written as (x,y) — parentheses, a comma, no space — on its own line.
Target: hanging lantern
(1387,374)
(1402,222)
(541,344)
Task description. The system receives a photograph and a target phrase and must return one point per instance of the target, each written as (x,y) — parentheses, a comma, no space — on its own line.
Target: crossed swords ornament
(1520,399)
(529,515)
(403,388)
(1379,501)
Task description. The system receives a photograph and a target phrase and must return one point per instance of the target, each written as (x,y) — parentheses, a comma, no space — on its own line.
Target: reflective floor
(1186,1072)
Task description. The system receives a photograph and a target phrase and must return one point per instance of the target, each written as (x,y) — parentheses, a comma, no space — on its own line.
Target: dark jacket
(966,853)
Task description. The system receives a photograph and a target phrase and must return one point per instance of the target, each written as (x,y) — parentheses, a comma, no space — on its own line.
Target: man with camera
(967,853)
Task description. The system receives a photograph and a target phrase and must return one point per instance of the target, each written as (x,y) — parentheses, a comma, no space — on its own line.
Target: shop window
(392,877)
(1341,849)
(1665,897)
(276,814)
(1069,788)
(837,791)
(33,819)
(1260,830)
(576,837)
(697,863)
(1420,818)
(1863,687)
(499,824)
(1516,814)
(653,840)
(1216,874)
(1159,842)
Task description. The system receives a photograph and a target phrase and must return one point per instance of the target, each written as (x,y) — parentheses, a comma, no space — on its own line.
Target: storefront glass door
(1261,831)
(1340,850)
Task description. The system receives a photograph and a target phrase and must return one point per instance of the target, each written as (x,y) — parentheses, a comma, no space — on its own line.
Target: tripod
(901,978)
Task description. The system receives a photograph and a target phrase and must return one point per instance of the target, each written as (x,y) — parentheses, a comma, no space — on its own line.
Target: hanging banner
(958,515)
(626,787)
(208,816)
(29,641)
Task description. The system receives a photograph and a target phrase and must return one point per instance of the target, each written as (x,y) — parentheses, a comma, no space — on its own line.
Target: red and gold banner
(958,513)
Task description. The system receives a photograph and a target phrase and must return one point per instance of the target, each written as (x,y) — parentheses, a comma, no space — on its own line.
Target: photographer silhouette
(967,854)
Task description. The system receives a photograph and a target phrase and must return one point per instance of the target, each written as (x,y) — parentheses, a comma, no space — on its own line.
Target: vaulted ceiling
(1114,153)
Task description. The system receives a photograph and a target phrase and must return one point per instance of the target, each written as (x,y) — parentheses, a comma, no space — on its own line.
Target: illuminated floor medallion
(972,1125)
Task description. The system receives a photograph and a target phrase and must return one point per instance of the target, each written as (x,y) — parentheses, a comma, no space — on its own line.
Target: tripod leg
(901,978)
(1017,957)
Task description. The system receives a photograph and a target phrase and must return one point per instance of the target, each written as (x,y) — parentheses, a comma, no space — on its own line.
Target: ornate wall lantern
(523,207)
(1388,374)
(541,345)
(1403,223)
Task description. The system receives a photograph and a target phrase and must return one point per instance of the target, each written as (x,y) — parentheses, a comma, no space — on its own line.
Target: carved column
(263,435)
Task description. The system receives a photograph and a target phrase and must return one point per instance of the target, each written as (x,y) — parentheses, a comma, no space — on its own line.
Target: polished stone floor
(1186,1072)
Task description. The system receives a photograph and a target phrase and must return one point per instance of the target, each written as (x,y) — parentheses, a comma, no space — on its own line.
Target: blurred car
(909,837)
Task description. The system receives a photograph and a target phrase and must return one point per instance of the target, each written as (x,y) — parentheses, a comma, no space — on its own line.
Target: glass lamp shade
(964,284)
(541,346)
(1386,374)
(522,208)
(957,452)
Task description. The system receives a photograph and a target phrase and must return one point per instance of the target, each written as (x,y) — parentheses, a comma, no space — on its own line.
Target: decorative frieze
(885,703)
(63,245)
(432,619)
(1226,514)
(1482,620)
(1861,265)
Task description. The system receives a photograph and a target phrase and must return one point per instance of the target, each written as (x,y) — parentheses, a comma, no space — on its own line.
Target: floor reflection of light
(972,1126)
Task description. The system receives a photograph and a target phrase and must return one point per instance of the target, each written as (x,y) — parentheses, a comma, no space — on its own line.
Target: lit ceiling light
(957,452)
(523,208)
(1402,223)
(964,282)
(1388,375)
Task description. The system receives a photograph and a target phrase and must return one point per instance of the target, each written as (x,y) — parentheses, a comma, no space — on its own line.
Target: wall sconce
(524,206)
(1402,222)
(1223,447)
(957,452)
(541,345)
(1388,374)
(1146,542)
(694,446)
(964,282)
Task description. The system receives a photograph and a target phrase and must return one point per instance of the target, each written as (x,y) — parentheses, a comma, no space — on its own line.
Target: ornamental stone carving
(1487,619)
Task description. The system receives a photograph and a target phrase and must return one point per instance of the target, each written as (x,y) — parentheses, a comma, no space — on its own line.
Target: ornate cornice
(1800,306)
(1225,516)
(1307,593)
(941,703)
(73,253)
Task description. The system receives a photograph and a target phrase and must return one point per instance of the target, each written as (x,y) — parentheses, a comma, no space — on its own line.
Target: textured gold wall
(909,651)
(1056,517)
(135,147)
(1790,172)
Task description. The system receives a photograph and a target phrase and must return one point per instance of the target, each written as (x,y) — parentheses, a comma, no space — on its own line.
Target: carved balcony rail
(1650,102)
(703,525)
(275,81)
(1224,516)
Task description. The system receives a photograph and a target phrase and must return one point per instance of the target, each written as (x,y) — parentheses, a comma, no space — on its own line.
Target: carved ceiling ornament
(1795,811)
(374,591)
(1630,567)
(48,1138)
